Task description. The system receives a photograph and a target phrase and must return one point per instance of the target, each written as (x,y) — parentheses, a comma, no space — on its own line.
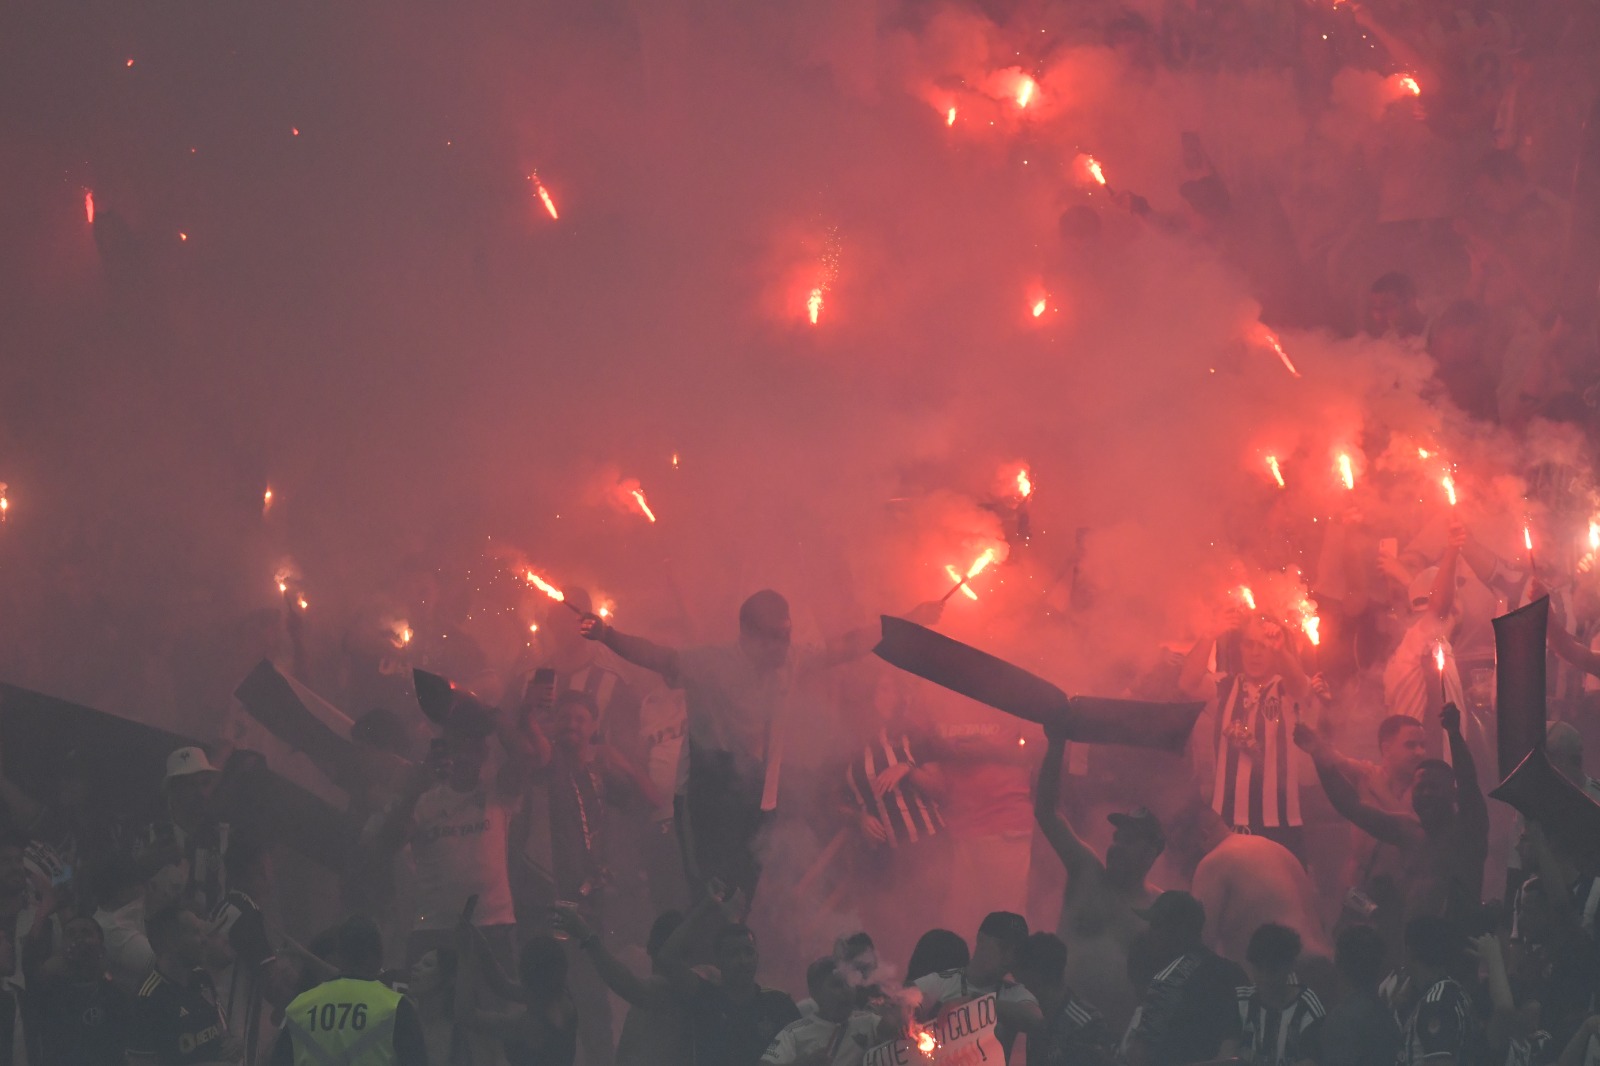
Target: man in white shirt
(996,951)
(834,1034)
(121,918)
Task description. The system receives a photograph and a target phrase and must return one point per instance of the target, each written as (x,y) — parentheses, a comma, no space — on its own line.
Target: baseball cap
(187,761)
(1139,822)
(1177,911)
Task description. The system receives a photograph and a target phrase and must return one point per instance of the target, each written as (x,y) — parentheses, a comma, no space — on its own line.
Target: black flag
(982,677)
(1566,812)
(1519,691)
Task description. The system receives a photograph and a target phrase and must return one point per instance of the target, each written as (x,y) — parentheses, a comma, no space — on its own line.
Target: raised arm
(636,650)
(397,821)
(1442,598)
(859,642)
(1473,808)
(649,993)
(1079,859)
(1342,794)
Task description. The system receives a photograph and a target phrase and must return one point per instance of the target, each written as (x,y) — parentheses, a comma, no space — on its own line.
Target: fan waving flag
(980,676)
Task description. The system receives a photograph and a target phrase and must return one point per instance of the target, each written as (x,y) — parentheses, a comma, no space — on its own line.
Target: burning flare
(1449,484)
(266,501)
(950,117)
(1527,538)
(638,497)
(1247,596)
(961,583)
(1091,167)
(1025,91)
(1277,472)
(1025,484)
(1276,345)
(88,206)
(544,195)
(1347,473)
(925,1041)
(814,305)
(544,586)
(1038,308)
(1409,84)
(1438,656)
(1594,527)
(5,503)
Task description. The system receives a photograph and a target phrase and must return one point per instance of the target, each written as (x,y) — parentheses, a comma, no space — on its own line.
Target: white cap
(187,761)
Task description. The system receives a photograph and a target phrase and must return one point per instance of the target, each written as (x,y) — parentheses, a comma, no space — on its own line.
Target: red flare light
(1247,596)
(955,575)
(1438,657)
(1409,84)
(88,206)
(814,305)
(544,586)
(5,503)
(1276,345)
(1025,90)
(1347,473)
(266,501)
(1527,538)
(1039,308)
(925,1041)
(1277,471)
(1594,531)
(1090,168)
(1024,483)
(300,602)
(1449,484)
(950,117)
(638,498)
(544,195)
(182,236)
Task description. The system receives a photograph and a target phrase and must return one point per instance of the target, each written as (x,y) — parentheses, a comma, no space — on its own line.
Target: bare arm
(859,642)
(397,822)
(1079,859)
(651,993)
(636,650)
(1442,598)
(1577,1048)
(674,955)
(1191,679)
(1380,825)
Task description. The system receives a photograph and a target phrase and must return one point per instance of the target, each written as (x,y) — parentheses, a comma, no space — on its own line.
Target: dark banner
(1519,646)
(1541,794)
(1003,686)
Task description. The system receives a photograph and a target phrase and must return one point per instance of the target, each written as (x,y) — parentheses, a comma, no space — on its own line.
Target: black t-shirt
(176,1024)
(726,1032)
(1191,1008)
(80,1023)
(1076,1036)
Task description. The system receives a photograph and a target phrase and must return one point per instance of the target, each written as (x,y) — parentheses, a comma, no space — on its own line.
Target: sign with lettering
(961,1035)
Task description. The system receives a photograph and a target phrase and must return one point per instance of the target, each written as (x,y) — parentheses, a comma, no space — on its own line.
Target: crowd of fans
(575,874)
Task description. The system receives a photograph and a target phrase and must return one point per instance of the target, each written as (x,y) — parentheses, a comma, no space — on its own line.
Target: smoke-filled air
(403,398)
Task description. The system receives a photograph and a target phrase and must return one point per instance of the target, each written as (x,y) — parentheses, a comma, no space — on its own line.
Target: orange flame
(638,497)
(544,586)
(1527,538)
(1039,308)
(955,575)
(1347,473)
(400,633)
(300,602)
(1409,84)
(182,236)
(266,501)
(925,1041)
(88,206)
(544,195)
(1438,656)
(950,117)
(1594,533)
(814,305)
(674,460)
(1277,472)
(5,503)
(981,564)
(1247,596)
(1423,453)
(1024,483)
(1091,167)
(1449,484)
(1313,629)
(1026,90)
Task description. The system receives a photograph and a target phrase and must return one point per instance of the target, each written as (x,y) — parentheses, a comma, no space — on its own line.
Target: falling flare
(182,236)
(638,497)
(1025,91)
(1277,346)
(950,117)
(1347,473)
(1277,472)
(814,305)
(88,206)
(294,131)
(544,195)
(1024,483)
(300,602)
(1449,484)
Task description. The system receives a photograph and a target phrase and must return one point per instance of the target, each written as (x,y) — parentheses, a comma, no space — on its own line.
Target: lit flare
(1449,484)
(1247,596)
(88,206)
(1277,471)
(544,195)
(1438,656)
(814,305)
(1276,345)
(1409,84)
(1025,484)
(1347,473)
(1039,308)
(266,501)
(955,575)
(1025,91)
(638,497)
(950,117)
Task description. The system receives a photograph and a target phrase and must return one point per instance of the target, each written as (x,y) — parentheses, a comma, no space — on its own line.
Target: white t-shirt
(951,986)
(458,843)
(663,720)
(808,1036)
(128,954)
(1406,678)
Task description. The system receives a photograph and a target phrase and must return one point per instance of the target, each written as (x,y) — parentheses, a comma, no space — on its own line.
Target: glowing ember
(955,575)
(294,131)
(814,305)
(1247,596)
(1438,656)
(1423,453)
(1449,484)
(1025,91)
(1277,346)
(88,206)
(266,501)
(533,627)
(1038,308)
(925,1042)
(544,586)
(130,62)
(604,612)
(182,236)
(1095,171)
(1347,473)
(1409,84)
(950,117)
(674,460)
(1277,472)
(400,633)
(281,579)
(638,498)
(1024,483)
(544,195)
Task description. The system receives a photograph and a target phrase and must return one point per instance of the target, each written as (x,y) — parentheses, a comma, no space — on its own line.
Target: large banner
(962,1035)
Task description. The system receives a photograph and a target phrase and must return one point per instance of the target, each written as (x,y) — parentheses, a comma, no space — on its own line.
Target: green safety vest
(343,1022)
